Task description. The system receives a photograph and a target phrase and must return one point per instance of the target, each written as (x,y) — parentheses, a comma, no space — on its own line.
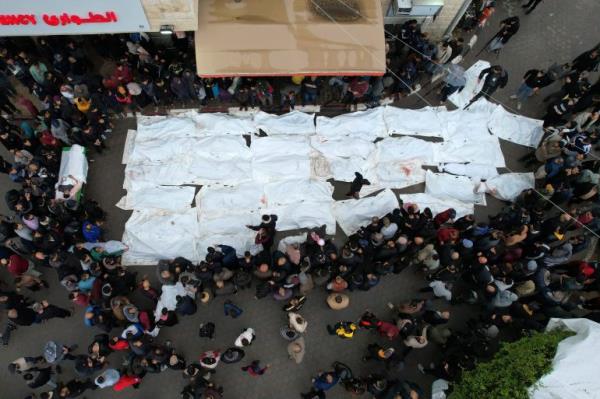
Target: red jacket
(17,265)
(447,234)
(124,75)
(388,329)
(120,345)
(126,381)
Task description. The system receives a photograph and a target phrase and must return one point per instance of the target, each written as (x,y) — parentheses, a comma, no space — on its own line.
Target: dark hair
(245,342)
(100,379)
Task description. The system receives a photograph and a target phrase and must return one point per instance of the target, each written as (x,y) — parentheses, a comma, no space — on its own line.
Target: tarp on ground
(197,171)
(297,191)
(151,196)
(515,128)
(396,174)
(467,137)
(367,125)
(73,163)
(414,122)
(352,214)
(129,143)
(219,199)
(344,155)
(461,188)
(508,186)
(218,124)
(393,149)
(183,149)
(304,215)
(476,171)
(152,235)
(292,123)
(575,366)
(280,158)
(462,98)
(163,128)
(438,205)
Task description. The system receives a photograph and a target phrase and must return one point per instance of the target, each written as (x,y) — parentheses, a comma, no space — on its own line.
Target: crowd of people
(516,270)
(85,80)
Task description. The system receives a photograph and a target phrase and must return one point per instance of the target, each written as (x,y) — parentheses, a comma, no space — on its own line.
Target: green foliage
(516,367)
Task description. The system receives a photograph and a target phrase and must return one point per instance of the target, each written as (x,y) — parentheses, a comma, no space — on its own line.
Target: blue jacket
(321,383)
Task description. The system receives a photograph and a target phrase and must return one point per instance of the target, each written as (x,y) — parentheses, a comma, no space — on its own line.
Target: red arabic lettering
(93,18)
(17,19)
(51,20)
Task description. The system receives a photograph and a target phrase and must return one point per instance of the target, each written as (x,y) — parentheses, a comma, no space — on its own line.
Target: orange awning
(289,37)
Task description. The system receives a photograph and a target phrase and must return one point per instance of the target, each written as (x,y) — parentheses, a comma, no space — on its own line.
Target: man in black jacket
(495,77)
(533,81)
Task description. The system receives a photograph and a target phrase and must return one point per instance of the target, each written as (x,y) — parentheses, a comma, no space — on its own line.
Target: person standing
(508,28)
(494,77)
(533,81)
(356,185)
(454,81)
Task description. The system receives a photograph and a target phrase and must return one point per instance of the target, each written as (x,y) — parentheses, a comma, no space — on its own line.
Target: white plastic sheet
(293,123)
(367,125)
(297,191)
(152,235)
(414,122)
(164,128)
(304,215)
(280,158)
(467,137)
(150,196)
(184,149)
(217,199)
(344,147)
(575,366)
(352,214)
(471,87)
(73,163)
(516,128)
(198,171)
(394,149)
(476,171)
(129,143)
(344,155)
(217,124)
(438,205)
(508,186)
(397,174)
(461,188)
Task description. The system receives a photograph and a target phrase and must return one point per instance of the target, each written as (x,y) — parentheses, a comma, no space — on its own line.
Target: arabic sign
(68,17)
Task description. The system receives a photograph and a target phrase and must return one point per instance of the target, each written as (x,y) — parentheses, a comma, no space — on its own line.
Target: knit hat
(467,243)
(532,266)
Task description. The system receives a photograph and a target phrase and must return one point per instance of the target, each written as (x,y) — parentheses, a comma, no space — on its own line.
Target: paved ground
(543,38)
